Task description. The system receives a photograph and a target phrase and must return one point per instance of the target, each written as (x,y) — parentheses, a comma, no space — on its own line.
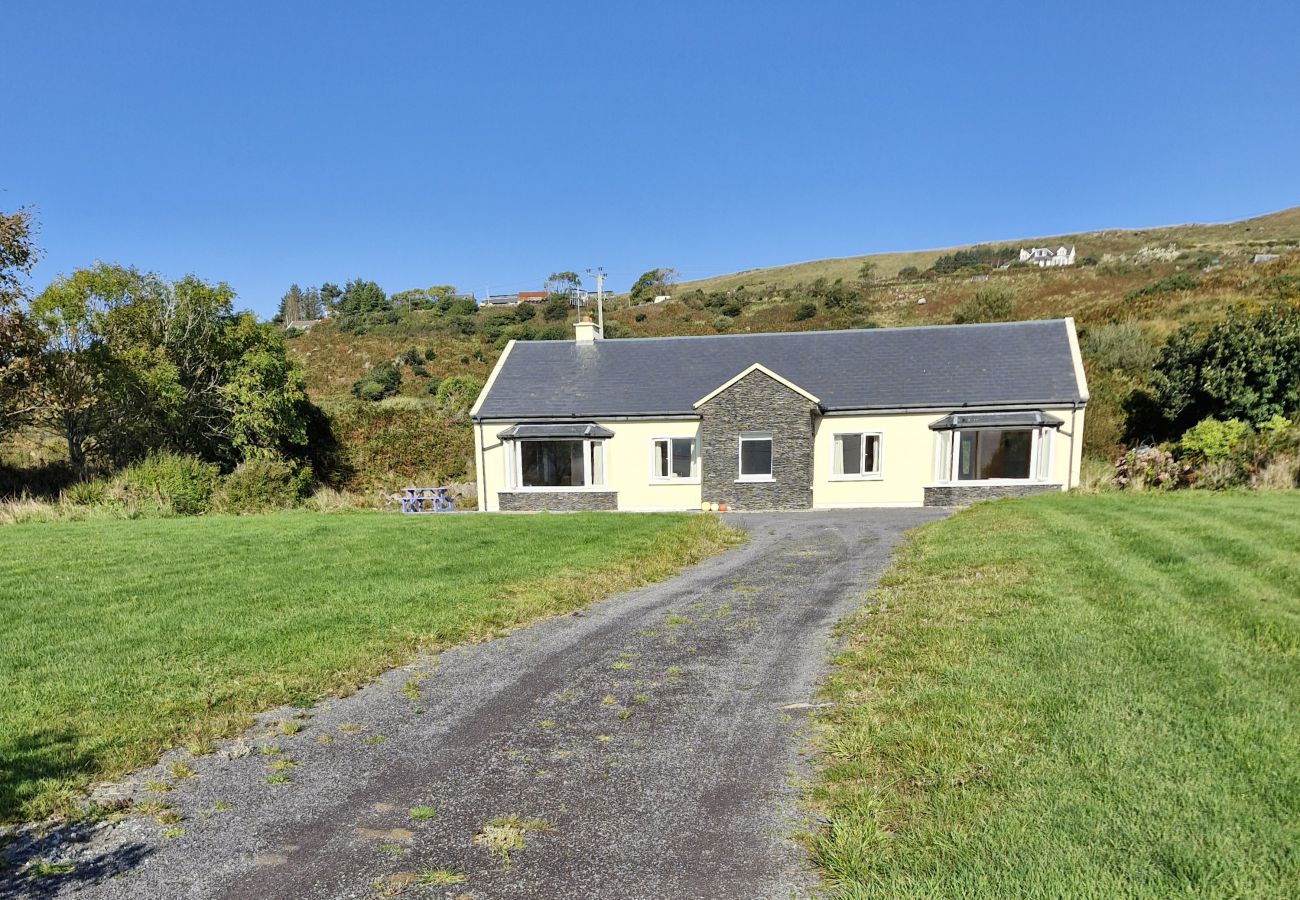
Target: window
(559,463)
(856,456)
(673,459)
(755,456)
(994,454)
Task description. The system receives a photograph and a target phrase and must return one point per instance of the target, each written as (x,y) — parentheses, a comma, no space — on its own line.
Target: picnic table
(426,500)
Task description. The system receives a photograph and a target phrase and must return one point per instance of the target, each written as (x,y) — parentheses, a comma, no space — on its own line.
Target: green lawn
(122,638)
(1073,696)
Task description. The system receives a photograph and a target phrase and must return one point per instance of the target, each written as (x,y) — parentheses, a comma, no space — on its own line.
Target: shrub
(430,354)
(909,272)
(382,448)
(1120,347)
(987,305)
(1282,472)
(1180,281)
(432,387)
(86,493)
(1213,441)
(262,484)
(805,311)
(732,309)
(1219,476)
(183,485)
(722,323)
(419,371)
(640,317)
(382,381)
(410,356)
(455,395)
(1150,468)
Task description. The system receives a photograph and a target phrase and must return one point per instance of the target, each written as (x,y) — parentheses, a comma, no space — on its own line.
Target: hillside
(1157,279)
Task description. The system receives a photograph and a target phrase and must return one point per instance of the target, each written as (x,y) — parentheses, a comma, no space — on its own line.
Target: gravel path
(648,747)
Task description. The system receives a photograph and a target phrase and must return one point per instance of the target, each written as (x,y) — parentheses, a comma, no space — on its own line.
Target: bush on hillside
(86,493)
(987,305)
(1213,441)
(455,395)
(1119,347)
(383,448)
(383,380)
(169,482)
(805,311)
(263,484)
(1150,468)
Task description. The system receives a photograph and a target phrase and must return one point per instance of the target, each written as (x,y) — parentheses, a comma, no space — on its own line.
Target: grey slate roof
(1006,364)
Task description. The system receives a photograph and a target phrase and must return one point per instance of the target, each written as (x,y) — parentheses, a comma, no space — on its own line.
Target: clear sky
(486,144)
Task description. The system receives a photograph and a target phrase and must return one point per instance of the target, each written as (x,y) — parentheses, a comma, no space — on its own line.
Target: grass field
(1073,697)
(124,638)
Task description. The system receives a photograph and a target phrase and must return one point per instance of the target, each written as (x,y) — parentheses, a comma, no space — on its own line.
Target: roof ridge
(749,334)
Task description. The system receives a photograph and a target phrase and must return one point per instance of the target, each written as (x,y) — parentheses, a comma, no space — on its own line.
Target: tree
(132,364)
(19,342)
(867,271)
(567,283)
(360,298)
(312,306)
(291,306)
(556,308)
(329,296)
(416,298)
(1245,367)
(456,395)
(652,284)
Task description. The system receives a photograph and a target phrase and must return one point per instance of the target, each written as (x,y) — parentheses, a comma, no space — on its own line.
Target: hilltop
(1155,279)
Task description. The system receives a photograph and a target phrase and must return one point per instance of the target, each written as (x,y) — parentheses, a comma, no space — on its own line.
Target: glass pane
(966,455)
(756,456)
(872,453)
(994,454)
(683,454)
(597,462)
(552,463)
(848,456)
(661,459)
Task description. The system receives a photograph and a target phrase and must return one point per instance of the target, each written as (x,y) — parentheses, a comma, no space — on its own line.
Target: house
(937,415)
(500,300)
(1046,257)
(532,296)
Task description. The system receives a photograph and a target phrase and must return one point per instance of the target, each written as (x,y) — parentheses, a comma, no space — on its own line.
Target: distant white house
(1045,257)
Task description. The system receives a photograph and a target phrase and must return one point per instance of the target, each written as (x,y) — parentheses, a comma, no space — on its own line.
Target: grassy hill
(1156,279)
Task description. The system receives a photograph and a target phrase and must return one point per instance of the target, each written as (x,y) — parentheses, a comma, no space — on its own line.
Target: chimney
(586,331)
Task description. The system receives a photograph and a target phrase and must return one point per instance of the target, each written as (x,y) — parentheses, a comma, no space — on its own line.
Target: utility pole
(599,272)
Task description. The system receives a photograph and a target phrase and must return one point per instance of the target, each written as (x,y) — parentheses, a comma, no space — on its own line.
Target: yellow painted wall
(627,464)
(907,461)
(907,449)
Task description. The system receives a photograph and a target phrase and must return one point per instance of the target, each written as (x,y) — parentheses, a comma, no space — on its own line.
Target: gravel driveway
(644,748)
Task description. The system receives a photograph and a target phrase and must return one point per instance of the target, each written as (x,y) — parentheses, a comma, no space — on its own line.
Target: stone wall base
(556,501)
(965,495)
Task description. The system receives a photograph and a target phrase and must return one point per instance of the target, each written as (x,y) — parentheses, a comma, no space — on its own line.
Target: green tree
(556,308)
(456,395)
(291,306)
(567,283)
(361,298)
(1245,367)
(312,306)
(19,342)
(652,284)
(329,296)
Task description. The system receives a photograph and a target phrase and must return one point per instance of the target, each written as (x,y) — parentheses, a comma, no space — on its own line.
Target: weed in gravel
(648,632)
(168,817)
(178,769)
(604,738)
(150,807)
(375,740)
(283,764)
(279,778)
(676,621)
(350,727)
(45,869)
(439,878)
(171,833)
(324,738)
(566,696)
(199,746)
(391,849)
(505,834)
(269,749)
(546,723)
(221,806)
(290,727)
(625,713)
(608,700)
(621,665)
(640,698)
(411,691)
(158,787)
(422,813)
(673,672)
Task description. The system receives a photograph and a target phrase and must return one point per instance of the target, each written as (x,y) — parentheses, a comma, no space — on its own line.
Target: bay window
(557,464)
(994,446)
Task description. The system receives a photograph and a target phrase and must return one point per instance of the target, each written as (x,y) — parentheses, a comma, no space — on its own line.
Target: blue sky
(487,144)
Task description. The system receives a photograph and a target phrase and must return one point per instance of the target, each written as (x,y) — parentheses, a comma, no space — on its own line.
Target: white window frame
(514,462)
(864,475)
(740,445)
(947,454)
(670,478)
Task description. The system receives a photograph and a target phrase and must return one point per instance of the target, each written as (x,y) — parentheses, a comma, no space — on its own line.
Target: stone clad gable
(758,402)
